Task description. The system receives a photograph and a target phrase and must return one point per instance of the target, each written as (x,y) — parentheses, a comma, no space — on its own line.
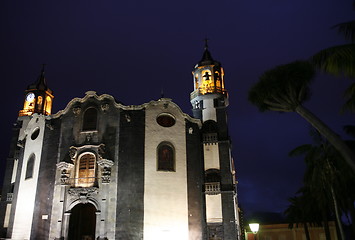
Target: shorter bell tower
(38,97)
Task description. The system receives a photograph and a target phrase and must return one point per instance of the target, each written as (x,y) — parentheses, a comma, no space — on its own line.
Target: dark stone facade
(119,139)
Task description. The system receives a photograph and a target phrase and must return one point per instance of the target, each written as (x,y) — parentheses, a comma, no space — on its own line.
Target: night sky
(134,49)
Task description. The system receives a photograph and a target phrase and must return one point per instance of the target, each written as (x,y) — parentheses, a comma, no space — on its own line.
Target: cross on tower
(206,43)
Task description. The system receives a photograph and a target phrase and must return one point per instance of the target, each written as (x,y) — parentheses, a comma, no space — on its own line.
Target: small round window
(35,134)
(166,120)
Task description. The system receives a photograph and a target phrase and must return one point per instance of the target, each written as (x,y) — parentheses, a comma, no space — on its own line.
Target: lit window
(207,83)
(39,100)
(48,105)
(166,157)
(30,167)
(86,170)
(90,119)
(196,81)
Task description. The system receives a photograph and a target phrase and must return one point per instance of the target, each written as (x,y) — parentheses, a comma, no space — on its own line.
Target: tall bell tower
(38,97)
(210,101)
(29,154)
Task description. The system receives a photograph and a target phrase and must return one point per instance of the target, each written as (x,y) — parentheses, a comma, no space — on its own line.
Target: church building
(99,169)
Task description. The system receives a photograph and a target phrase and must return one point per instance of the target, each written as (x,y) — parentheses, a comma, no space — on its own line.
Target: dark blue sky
(133,49)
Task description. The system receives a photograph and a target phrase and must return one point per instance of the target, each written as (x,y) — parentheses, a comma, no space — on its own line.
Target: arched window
(210,126)
(166,157)
(207,83)
(48,105)
(30,167)
(39,102)
(212,175)
(196,81)
(86,170)
(90,119)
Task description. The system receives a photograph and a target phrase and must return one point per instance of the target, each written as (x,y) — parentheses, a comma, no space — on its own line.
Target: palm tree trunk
(350,206)
(337,216)
(329,134)
(306,231)
(326,225)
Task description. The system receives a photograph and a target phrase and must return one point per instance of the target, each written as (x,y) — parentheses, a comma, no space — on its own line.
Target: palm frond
(347,29)
(350,102)
(336,60)
(300,150)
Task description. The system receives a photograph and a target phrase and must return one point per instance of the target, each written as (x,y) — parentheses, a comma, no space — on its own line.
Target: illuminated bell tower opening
(209,88)
(209,101)
(38,98)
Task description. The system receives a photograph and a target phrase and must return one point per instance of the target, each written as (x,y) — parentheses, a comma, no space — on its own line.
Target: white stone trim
(121,106)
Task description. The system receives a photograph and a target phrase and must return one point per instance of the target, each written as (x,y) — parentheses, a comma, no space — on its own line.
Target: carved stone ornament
(65,169)
(106,179)
(105,163)
(101,151)
(105,107)
(50,126)
(65,166)
(83,192)
(76,110)
(128,118)
(21,143)
(73,152)
(88,137)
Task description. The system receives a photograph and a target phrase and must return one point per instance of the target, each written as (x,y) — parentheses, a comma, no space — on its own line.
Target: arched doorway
(82,223)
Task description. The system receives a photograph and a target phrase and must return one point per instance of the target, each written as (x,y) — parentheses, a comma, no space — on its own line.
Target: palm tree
(325,175)
(340,59)
(298,212)
(284,89)
(348,203)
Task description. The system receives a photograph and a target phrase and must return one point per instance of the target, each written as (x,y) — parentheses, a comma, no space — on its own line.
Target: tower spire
(206,43)
(42,71)
(206,57)
(41,81)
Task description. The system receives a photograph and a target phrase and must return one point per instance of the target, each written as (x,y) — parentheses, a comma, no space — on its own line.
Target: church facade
(99,169)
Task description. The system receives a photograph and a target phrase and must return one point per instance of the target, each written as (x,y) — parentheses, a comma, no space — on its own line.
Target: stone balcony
(212,188)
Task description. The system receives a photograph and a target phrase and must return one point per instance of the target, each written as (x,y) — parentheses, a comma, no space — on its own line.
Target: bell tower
(209,89)
(210,101)
(38,97)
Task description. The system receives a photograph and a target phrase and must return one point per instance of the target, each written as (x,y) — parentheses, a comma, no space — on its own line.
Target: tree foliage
(336,60)
(340,60)
(283,88)
(327,176)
